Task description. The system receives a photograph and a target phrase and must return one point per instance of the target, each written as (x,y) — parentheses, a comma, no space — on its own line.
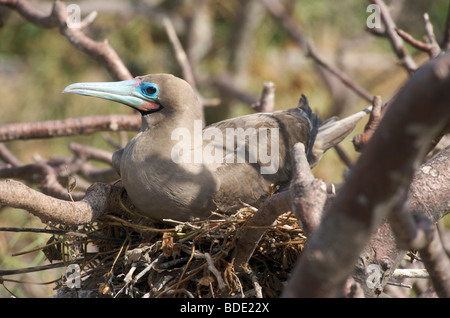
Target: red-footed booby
(176,169)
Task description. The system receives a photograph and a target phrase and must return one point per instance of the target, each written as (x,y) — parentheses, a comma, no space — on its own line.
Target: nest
(135,258)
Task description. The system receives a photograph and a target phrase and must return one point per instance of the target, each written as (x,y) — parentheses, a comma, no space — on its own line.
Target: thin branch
(69,127)
(277,10)
(45,175)
(266,103)
(100,51)
(431,47)
(91,153)
(422,46)
(396,40)
(7,156)
(435,49)
(360,140)
(438,265)
(446,42)
(180,54)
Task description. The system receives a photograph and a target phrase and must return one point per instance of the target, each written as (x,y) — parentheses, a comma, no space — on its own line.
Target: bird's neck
(164,133)
(159,122)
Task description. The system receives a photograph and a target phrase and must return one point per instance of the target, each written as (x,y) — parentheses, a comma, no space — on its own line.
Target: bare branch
(250,235)
(405,132)
(99,198)
(266,103)
(308,194)
(283,17)
(426,47)
(100,51)
(88,153)
(396,40)
(375,116)
(8,157)
(180,54)
(435,50)
(69,127)
(431,47)
(446,42)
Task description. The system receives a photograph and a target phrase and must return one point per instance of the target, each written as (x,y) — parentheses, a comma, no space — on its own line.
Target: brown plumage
(174,169)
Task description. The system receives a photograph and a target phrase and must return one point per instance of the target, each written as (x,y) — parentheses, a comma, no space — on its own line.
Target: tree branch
(69,127)
(102,52)
(95,203)
(281,15)
(358,210)
(396,40)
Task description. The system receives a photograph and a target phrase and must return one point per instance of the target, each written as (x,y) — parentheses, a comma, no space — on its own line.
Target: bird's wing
(255,150)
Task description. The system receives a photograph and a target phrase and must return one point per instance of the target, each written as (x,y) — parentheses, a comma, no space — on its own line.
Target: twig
(258,289)
(437,263)
(266,103)
(212,268)
(432,47)
(87,153)
(61,232)
(43,173)
(181,56)
(410,273)
(100,51)
(8,157)
(184,63)
(359,141)
(396,40)
(426,47)
(283,17)
(435,50)
(33,269)
(446,42)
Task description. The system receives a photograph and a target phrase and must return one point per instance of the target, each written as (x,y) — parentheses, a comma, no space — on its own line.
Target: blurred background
(233,47)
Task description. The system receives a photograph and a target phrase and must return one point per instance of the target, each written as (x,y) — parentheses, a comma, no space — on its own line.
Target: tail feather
(314,123)
(333,131)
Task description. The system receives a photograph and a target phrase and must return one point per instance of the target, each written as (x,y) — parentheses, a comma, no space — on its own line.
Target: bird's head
(147,94)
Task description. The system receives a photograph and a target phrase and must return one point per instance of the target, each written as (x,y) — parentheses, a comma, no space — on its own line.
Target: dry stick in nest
(306,197)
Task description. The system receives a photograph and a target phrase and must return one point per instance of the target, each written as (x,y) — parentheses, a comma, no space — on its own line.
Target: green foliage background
(36,64)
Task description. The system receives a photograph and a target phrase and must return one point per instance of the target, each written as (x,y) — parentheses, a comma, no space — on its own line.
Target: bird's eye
(150,90)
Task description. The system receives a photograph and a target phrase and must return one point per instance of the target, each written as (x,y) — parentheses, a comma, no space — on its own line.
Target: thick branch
(308,194)
(99,198)
(250,235)
(404,133)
